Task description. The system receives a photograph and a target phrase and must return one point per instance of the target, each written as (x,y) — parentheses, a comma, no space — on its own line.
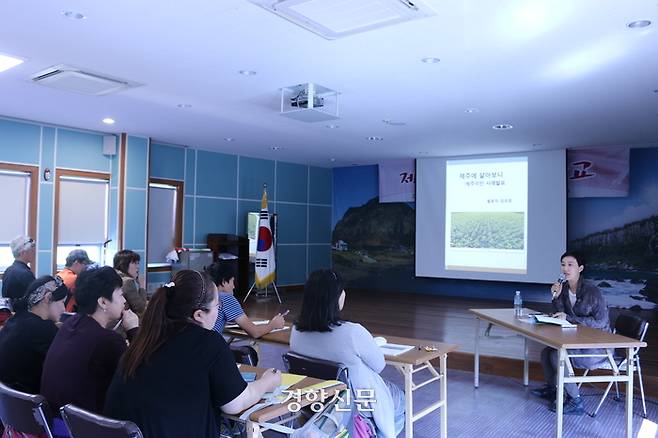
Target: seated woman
(126,263)
(25,340)
(321,333)
(178,373)
(85,353)
(579,302)
(223,275)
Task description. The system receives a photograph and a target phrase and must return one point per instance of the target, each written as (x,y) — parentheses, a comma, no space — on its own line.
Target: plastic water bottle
(518,304)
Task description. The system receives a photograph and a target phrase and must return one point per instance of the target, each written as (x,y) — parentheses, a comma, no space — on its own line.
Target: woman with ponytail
(178,374)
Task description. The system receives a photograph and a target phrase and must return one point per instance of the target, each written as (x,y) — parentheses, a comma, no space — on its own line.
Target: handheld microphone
(561,279)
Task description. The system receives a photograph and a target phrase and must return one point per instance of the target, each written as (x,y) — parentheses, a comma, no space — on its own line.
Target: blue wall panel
(319,257)
(44,263)
(188,220)
(190,171)
(45,212)
(167,161)
(291,182)
(81,150)
(216,174)
(319,224)
(19,142)
(254,173)
(214,216)
(245,207)
(47,150)
(134,223)
(320,186)
(136,162)
(291,264)
(291,223)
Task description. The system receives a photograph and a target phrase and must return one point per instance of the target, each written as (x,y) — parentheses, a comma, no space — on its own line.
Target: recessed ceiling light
(183,105)
(74,15)
(537,145)
(331,126)
(394,122)
(374,138)
(275,148)
(430,60)
(7,62)
(502,126)
(423,153)
(471,110)
(332,159)
(354,164)
(247,72)
(638,24)
(108,121)
(228,139)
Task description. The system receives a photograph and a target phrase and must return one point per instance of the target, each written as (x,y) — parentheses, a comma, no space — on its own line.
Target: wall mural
(373,243)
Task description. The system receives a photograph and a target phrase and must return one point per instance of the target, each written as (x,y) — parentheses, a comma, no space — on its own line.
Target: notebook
(550,320)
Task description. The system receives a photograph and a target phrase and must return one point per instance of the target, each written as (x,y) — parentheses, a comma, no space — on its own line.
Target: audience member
(178,373)
(84,355)
(76,262)
(126,263)
(223,274)
(26,338)
(579,302)
(18,276)
(321,333)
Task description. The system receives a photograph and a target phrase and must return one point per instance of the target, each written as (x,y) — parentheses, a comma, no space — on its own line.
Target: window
(18,191)
(81,215)
(165,220)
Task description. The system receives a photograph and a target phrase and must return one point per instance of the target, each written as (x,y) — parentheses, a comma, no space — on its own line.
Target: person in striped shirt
(223,274)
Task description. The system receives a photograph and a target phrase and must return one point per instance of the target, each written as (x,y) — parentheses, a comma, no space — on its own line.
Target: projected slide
(487,215)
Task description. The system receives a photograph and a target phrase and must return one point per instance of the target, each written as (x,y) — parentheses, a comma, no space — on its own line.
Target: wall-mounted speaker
(109,145)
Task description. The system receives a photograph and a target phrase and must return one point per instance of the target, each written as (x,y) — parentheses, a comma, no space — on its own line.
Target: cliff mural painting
(374,244)
(619,236)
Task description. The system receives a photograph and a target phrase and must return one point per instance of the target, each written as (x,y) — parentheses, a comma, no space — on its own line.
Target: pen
(286,312)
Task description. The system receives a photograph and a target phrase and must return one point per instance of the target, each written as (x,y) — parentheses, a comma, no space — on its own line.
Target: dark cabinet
(239,247)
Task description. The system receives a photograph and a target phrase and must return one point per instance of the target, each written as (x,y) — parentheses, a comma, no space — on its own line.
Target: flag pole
(265,264)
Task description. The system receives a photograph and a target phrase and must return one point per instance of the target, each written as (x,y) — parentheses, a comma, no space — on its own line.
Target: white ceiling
(562,72)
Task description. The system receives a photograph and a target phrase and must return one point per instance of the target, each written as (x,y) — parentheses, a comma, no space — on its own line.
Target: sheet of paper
(281,329)
(289,380)
(395,349)
(235,326)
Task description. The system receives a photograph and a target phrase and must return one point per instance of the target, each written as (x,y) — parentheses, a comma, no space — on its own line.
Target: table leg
(408,401)
(629,392)
(525,361)
(476,355)
(444,395)
(253,430)
(560,392)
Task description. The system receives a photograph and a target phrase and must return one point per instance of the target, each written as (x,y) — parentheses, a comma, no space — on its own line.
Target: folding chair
(84,424)
(23,412)
(320,369)
(632,327)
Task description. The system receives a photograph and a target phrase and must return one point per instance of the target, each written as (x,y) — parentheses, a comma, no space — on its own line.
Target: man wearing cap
(26,337)
(76,262)
(18,276)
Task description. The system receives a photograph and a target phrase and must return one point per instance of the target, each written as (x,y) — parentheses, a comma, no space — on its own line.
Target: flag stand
(278,297)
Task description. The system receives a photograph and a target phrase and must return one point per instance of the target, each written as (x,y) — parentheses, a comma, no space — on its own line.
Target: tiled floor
(503,407)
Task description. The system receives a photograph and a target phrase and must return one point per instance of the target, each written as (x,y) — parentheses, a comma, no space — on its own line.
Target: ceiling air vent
(334,19)
(67,78)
